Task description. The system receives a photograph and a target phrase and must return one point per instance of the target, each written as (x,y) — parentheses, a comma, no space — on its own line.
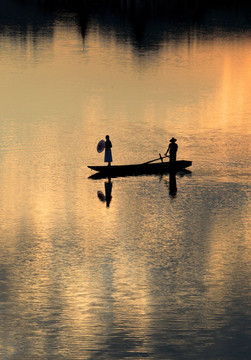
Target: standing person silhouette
(172,149)
(108,151)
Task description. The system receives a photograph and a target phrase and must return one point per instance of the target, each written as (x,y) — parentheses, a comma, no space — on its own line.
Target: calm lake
(162,271)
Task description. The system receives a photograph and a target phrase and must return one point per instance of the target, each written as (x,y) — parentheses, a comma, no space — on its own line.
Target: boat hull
(139,169)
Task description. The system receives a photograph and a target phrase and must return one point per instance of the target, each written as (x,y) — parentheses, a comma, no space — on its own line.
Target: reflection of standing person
(172,149)
(172,184)
(108,151)
(108,192)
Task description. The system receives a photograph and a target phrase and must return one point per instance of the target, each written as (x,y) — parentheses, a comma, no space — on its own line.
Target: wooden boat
(139,169)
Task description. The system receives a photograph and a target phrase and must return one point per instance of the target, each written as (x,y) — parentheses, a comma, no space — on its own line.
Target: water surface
(164,271)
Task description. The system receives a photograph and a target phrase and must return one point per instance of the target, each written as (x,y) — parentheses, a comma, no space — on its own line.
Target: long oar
(159,158)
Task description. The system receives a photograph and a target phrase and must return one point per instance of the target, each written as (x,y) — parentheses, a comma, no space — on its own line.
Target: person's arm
(167,151)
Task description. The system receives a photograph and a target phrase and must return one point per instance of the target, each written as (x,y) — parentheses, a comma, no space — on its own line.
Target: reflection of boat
(139,169)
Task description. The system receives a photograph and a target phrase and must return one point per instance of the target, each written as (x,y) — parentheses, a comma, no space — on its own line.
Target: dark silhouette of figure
(172,150)
(108,151)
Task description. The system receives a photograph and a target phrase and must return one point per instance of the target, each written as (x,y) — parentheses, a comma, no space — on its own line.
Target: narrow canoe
(141,169)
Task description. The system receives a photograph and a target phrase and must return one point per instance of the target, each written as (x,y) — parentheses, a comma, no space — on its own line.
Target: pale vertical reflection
(227,261)
(231,101)
(235,90)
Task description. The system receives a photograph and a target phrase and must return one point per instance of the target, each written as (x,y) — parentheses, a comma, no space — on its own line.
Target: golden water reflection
(150,274)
